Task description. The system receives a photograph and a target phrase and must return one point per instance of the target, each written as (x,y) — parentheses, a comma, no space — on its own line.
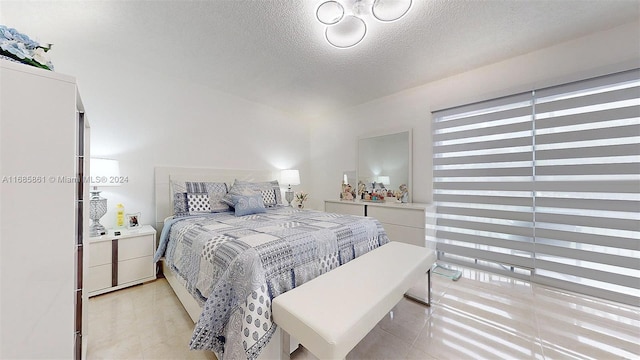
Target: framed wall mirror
(385,159)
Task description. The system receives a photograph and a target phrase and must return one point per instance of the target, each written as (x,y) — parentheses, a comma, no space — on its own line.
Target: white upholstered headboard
(164,176)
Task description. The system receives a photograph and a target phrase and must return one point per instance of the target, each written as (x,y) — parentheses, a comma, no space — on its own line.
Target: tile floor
(480,316)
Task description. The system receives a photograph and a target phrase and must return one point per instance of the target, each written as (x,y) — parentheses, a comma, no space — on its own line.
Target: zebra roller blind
(545,186)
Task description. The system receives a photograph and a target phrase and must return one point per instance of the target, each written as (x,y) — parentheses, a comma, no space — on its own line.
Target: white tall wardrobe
(44,155)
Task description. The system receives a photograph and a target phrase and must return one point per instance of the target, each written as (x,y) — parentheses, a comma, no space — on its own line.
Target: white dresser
(119,261)
(404,222)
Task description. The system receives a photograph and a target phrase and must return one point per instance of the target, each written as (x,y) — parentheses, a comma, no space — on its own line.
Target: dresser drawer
(135,247)
(405,234)
(397,215)
(344,208)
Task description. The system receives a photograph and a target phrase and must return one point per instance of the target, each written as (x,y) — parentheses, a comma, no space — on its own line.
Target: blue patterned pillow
(237,190)
(189,197)
(248,204)
(270,191)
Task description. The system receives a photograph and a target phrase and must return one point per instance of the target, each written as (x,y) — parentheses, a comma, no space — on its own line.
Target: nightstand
(119,261)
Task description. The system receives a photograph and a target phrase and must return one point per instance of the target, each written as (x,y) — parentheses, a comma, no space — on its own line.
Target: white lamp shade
(290,177)
(105,172)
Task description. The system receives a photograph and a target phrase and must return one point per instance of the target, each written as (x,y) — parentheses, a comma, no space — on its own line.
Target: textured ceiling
(274,52)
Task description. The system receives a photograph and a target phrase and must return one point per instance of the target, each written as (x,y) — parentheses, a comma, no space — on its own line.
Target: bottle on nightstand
(119,216)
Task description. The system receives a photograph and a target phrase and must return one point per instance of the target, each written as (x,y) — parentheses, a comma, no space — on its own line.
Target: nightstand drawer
(135,269)
(135,247)
(100,253)
(99,277)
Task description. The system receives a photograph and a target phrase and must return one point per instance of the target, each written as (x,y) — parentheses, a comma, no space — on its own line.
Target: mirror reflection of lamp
(103,173)
(384,180)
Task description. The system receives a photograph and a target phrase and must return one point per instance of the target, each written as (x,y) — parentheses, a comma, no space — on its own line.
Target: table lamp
(104,172)
(290,177)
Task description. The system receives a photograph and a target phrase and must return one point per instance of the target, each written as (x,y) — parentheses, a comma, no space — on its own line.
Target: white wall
(146,119)
(333,136)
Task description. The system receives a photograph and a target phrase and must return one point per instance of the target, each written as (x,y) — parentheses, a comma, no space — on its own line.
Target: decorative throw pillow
(183,205)
(198,203)
(180,207)
(238,189)
(248,204)
(269,197)
(263,186)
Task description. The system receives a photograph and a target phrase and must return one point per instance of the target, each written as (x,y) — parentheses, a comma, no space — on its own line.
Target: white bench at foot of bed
(332,313)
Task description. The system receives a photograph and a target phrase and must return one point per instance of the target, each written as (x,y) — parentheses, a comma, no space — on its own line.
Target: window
(545,185)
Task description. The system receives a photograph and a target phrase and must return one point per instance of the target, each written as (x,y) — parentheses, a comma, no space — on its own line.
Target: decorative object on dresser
(102,171)
(347,192)
(290,177)
(18,47)
(119,261)
(301,197)
(133,220)
(403,194)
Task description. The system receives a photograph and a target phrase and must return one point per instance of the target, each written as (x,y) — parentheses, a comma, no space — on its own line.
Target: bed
(227,265)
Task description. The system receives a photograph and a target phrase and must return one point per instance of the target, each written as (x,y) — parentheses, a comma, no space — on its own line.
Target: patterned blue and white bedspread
(234,266)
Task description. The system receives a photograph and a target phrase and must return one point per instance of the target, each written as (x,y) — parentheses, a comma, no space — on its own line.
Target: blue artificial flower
(16,48)
(20,47)
(13,34)
(4,33)
(30,44)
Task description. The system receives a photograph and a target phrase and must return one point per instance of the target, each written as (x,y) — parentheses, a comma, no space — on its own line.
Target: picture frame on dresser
(133,220)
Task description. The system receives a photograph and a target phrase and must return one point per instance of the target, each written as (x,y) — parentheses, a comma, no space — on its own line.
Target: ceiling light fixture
(347,29)
(330,12)
(390,10)
(346,33)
